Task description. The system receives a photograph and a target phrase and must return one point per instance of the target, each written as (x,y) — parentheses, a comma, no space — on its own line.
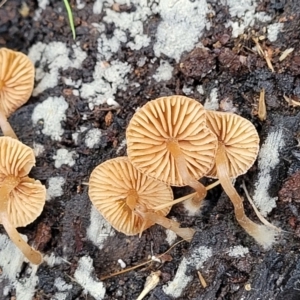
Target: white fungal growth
(64,157)
(268,159)
(238,251)
(50,113)
(163,72)
(55,187)
(196,259)
(99,229)
(84,276)
(92,137)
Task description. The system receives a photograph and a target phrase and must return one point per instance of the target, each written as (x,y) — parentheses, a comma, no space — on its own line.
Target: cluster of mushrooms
(174,141)
(171,141)
(21,198)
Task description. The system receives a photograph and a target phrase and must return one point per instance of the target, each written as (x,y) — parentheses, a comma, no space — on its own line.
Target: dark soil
(239,74)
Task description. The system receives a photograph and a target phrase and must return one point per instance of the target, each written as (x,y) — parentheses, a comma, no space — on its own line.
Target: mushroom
(238,145)
(16,85)
(21,198)
(125,198)
(167,139)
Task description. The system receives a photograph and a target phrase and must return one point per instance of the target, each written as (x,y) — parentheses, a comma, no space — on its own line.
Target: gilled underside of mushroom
(16,85)
(6,186)
(167,140)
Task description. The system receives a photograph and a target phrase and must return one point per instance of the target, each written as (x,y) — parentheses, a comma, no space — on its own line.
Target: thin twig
(259,215)
(2,2)
(139,265)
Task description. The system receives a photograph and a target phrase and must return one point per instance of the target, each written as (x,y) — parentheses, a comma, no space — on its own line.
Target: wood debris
(24,10)
(266,54)
(108,118)
(151,282)
(291,102)
(262,111)
(201,279)
(285,53)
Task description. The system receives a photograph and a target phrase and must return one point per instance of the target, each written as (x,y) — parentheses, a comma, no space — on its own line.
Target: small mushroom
(21,198)
(167,139)
(238,145)
(16,85)
(125,197)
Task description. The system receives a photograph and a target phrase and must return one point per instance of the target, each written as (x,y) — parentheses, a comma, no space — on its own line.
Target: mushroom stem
(5,126)
(32,255)
(186,233)
(187,197)
(131,199)
(176,152)
(260,233)
(259,215)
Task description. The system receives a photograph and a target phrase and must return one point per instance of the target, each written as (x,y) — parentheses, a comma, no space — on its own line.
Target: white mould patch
(196,259)
(107,79)
(52,57)
(163,72)
(55,188)
(238,251)
(200,89)
(273,30)
(53,260)
(63,289)
(187,90)
(51,112)
(212,102)
(92,137)
(64,157)
(182,25)
(121,146)
(245,12)
(75,137)
(80,5)
(99,229)
(38,149)
(97,7)
(171,236)
(131,22)
(11,263)
(268,159)
(84,276)
(41,6)
(25,287)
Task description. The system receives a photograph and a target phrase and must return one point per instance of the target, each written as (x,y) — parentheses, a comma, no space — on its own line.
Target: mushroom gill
(167,139)
(21,198)
(125,197)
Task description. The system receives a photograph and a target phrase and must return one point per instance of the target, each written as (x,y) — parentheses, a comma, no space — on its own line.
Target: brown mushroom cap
(240,140)
(113,182)
(27,199)
(175,118)
(16,80)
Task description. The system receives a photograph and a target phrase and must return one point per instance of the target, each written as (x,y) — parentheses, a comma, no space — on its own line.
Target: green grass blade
(70,16)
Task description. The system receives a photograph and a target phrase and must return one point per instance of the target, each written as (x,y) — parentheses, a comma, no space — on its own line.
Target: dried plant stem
(259,215)
(2,2)
(184,198)
(139,265)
